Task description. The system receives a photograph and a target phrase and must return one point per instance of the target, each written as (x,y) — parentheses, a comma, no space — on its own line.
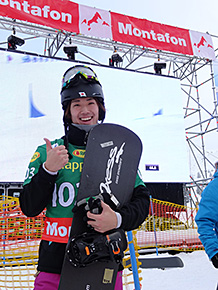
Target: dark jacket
(37,194)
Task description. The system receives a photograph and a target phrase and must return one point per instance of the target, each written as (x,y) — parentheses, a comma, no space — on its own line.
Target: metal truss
(201,118)
(201,121)
(54,39)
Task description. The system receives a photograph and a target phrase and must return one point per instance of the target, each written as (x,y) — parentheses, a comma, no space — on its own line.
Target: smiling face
(84,111)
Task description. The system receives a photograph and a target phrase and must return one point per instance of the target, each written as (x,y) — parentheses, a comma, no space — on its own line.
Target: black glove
(214,260)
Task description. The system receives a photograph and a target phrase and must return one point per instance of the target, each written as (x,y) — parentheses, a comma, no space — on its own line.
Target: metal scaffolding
(197,84)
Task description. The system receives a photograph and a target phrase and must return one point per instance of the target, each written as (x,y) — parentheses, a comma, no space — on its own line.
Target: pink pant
(50,281)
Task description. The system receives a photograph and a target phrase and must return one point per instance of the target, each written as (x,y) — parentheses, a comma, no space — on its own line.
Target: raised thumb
(48,144)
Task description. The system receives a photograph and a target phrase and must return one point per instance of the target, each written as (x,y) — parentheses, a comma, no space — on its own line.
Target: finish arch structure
(197,83)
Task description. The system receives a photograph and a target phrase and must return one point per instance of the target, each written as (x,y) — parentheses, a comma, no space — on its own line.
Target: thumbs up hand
(57,157)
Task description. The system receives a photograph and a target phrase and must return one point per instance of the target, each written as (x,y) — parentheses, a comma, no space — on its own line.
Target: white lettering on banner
(44,12)
(55,230)
(127,29)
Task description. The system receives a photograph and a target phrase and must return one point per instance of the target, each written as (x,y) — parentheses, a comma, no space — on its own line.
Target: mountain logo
(97,18)
(203,43)
(95,22)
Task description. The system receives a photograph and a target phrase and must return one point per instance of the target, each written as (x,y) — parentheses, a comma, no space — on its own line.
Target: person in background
(207,219)
(54,173)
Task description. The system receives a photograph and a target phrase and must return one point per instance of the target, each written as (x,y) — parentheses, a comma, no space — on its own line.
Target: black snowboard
(159,262)
(110,165)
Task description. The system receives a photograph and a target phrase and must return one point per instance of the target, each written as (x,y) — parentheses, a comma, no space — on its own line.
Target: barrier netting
(174,226)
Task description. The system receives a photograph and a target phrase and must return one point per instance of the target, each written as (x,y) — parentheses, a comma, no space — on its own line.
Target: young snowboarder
(54,173)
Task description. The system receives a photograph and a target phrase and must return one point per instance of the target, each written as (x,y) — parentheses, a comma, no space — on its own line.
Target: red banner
(85,20)
(59,14)
(150,34)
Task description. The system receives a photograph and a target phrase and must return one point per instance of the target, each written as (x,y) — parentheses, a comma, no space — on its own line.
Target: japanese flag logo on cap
(82,94)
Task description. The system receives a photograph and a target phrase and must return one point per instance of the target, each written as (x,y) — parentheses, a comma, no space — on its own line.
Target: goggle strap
(86,77)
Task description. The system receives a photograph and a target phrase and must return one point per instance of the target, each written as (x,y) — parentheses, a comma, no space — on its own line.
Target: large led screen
(30,109)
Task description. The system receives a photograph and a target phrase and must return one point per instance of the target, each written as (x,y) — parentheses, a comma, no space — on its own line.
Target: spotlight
(70,51)
(158,66)
(115,59)
(13,41)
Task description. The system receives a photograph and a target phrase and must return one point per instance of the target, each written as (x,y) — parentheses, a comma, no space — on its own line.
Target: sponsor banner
(94,22)
(150,34)
(57,229)
(85,20)
(59,14)
(202,44)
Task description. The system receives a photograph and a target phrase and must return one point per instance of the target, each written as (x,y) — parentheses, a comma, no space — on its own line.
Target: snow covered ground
(198,273)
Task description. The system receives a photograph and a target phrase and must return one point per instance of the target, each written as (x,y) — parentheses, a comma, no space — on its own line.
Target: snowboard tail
(99,275)
(161,262)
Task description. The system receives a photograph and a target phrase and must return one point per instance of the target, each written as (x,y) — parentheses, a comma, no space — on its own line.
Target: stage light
(158,66)
(70,51)
(115,59)
(13,41)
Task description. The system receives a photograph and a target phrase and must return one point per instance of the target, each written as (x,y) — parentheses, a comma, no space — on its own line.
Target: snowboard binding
(92,247)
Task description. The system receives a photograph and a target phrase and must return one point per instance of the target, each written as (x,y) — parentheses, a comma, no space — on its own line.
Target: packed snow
(198,273)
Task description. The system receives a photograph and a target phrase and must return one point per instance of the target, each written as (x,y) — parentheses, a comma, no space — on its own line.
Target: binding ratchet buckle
(92,247)
(92,204)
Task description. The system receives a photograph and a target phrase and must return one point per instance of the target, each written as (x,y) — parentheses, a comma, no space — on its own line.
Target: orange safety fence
(19,241)
(174,226)
(20,236)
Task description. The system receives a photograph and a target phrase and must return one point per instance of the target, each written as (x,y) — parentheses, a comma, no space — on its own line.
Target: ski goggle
(72,73)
